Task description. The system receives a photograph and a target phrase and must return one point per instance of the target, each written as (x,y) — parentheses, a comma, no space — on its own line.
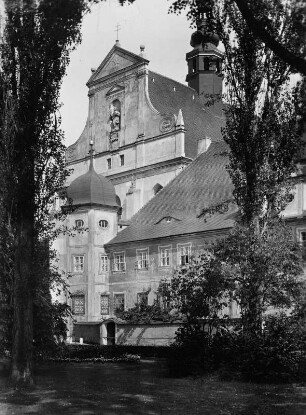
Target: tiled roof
(92,189)
(169,96)
(205,182)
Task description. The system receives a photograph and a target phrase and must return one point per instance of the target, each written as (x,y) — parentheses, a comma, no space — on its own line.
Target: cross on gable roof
(117,59)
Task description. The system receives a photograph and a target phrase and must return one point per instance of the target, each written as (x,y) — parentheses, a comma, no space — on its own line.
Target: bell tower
(204,63)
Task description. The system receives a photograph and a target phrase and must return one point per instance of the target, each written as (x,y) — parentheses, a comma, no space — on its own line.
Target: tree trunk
(22,347)
(24,274)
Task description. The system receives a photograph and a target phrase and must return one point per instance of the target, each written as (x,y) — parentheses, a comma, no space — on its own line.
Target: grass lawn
(143,388)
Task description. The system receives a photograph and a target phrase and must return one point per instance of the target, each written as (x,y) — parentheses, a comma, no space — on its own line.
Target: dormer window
(168,219)
(157,188)
(79,223)
(103,223)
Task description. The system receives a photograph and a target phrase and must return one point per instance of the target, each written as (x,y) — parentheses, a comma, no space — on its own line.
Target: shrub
(278,355)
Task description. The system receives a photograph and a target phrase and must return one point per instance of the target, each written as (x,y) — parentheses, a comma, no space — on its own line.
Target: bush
(278,355)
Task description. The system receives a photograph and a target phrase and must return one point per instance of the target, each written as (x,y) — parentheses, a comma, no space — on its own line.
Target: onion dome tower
(92,189)
(204,63)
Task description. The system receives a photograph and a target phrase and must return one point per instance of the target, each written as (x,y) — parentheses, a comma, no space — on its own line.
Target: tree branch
(259,31)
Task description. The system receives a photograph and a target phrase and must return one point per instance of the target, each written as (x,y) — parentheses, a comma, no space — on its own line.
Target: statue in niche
(114,116)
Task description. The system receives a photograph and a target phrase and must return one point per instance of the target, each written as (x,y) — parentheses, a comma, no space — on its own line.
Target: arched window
(157,188)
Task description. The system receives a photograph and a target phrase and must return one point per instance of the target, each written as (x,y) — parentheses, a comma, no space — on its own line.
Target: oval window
(103,223)
(79,223)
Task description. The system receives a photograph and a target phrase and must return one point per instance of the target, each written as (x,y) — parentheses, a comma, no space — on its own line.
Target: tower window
(78,263)
(109,164)
(194,65)
(103,223)
(104,263)
(79,223)
(218,67)
(122,160)
(206,64)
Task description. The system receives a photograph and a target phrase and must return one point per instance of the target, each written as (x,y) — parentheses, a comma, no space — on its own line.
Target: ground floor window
(78,304)
(118,302)
(104,304)
(142,298)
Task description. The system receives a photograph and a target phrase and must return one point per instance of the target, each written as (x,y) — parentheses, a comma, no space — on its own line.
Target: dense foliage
(37,39)
(258,265)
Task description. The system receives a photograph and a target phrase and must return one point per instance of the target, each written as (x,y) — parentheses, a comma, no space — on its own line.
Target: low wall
(90,333)
(158,334)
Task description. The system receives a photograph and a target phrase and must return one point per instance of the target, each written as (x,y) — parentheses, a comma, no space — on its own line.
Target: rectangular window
(109,164)
(78,263)
(78,304)
(119,262)
(184,254)
(122,160)
(142,258)
(104,264)
(118,302)
(142,298)
(164,256)
(303,237)
(104,304)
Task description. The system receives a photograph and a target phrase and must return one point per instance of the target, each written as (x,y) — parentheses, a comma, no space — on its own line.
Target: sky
(146,22)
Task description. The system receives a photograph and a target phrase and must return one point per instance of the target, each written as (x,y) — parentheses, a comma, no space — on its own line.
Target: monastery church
(149,160)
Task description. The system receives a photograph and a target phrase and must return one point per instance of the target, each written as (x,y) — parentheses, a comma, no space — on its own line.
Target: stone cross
(117,30)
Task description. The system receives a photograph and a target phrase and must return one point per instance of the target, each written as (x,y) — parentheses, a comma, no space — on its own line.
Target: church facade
(145,167)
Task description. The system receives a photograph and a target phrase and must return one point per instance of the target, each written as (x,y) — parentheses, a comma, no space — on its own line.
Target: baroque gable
(116,60)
